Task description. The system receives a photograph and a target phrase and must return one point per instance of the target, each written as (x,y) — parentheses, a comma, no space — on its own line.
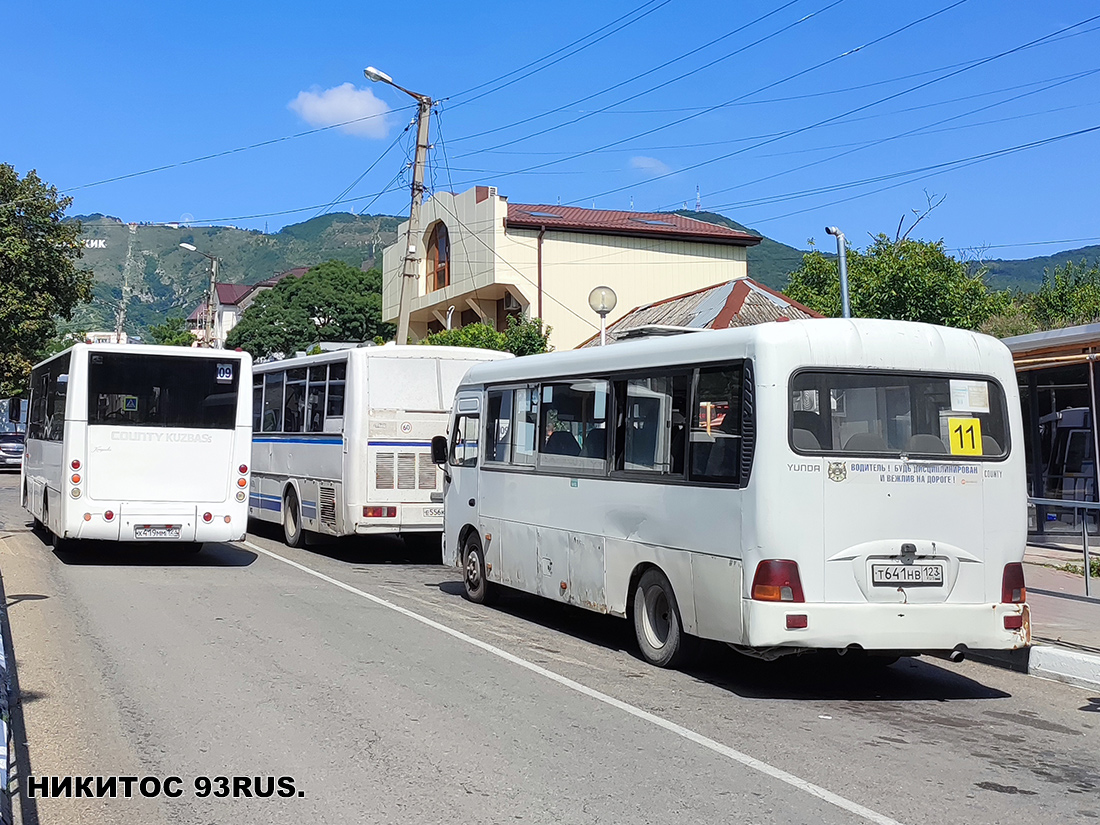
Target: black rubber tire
(479,589)
(293,532)
(657,626)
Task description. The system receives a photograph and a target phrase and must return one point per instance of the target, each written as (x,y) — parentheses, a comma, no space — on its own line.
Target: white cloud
(341,104)
(650,166)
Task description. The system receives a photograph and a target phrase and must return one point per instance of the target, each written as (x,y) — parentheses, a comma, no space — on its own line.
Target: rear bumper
(123,526)
(917,627)
(419,517)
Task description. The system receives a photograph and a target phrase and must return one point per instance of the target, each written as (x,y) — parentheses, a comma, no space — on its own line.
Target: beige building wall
(489,264)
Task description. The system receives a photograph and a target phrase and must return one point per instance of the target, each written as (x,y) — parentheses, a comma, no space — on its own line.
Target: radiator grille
(383,471)
(327,499)
(406,471)
(426,471)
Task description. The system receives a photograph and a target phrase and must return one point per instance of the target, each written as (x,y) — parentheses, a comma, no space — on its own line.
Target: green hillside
(769,262)
(1027,274)
(145,260)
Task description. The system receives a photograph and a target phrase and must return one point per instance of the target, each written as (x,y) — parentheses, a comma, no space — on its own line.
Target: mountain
(769,262)
(145,261)
(1027,274)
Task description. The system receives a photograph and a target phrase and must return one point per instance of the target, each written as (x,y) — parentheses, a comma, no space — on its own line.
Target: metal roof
(635,224)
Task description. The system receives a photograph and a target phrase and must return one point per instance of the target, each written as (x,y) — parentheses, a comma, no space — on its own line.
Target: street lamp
(842,258)
(208,321)
(602,300)
(412,263)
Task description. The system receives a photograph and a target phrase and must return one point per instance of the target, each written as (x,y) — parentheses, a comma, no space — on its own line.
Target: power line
(850,111)
(354,183)
(231,151)
(643,74)
(558,51)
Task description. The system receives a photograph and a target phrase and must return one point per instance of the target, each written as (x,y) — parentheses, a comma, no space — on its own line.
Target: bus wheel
(661,638)
(478,588)
(292,519)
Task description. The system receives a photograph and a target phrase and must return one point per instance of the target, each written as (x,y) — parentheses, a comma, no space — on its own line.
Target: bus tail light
(797,621)
(777,580)
(242,482)
(1012,584)
(75,478)
(242,469)
(207,517)
(227,519)
(379,512)
(75,463)
(109,515)
(240,495)
(1014,622)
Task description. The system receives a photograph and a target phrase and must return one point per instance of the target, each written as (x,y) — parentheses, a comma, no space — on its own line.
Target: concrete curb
(1064,664)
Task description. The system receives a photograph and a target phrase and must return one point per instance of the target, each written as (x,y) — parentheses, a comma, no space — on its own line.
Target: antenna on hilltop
(631,203)
(698,200)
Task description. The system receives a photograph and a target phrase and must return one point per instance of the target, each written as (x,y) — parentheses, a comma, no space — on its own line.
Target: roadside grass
(1079,569)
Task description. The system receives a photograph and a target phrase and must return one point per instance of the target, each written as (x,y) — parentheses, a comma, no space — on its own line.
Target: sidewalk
(1065,626)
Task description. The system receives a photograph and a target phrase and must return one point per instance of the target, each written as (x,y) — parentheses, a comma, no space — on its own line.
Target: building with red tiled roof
(232,301)
(481,258)
(739,303)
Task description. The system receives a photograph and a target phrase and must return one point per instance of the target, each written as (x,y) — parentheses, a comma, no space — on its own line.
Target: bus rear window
(162,391)
(895,414)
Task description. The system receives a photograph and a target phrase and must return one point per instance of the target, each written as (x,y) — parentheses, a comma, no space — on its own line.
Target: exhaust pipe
(957,655)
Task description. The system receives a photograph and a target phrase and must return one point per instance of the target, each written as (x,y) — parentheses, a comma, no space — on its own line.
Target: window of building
(439,258)
(573,425)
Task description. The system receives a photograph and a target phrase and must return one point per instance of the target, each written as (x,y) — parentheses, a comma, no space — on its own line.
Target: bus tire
(293,533)
(479,589)
(657,626)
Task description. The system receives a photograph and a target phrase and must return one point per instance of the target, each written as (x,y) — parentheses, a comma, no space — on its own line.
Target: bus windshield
(890,413)
(127,389)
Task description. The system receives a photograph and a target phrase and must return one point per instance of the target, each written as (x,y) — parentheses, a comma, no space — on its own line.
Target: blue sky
(764,106)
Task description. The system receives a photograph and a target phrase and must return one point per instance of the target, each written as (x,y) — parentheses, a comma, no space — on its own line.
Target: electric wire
(348,189)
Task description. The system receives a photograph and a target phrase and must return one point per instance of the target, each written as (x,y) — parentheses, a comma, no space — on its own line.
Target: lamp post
(412,263)
(842,258)
(208,320)
(602,300)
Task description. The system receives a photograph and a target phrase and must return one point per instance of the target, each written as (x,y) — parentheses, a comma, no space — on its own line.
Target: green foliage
(520,337)
(332,302)
(39,277)
(172,333)
(906,280)
(1069,295)
(1028,274)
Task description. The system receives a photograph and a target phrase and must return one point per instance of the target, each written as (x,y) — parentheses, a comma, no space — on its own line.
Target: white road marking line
(692,736)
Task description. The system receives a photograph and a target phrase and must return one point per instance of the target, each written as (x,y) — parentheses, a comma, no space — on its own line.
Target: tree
(1069,295)
(520,337)
(906,280)
(39,277)
(173,333)
(334,301)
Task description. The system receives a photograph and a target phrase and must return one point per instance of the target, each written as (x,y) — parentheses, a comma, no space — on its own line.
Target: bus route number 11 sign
(965,435)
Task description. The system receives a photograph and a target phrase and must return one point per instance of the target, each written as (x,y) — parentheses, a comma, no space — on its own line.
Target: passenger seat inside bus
(925,443)
(866,443)
(561,442)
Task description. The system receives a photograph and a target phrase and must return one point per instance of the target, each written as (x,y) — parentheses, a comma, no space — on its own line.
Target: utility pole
(411,272)
(211,305)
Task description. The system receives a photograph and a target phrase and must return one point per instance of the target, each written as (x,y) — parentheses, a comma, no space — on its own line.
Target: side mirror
(439,449)
(15,409)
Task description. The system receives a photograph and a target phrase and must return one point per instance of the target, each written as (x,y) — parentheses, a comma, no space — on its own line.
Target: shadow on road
(135,554)
(16,598)
(810,676)
(362,550)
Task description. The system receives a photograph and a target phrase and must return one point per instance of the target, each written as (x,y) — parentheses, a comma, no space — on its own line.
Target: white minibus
(139,443)
(855,485)
(341,441)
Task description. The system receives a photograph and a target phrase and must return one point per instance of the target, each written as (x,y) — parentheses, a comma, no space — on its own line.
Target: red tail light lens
(243,469)
(75,463)
(1012,584)
(1014,622)
(777,580)
(109,515)
(379,512)
(207,517)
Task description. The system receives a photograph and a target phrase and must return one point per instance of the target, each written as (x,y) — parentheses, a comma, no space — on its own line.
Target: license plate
(160,532)
(433,512)
(908,575)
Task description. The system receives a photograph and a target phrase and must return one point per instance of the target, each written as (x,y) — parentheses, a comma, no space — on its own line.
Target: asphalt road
(358,670)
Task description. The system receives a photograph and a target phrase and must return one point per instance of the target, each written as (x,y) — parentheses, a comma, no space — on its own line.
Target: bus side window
(315,398)
(336,376)
(716,425)
(294,407)
(273,402)
(498,426)
(525,424)
(464,442)
(651,424)
(257,402)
